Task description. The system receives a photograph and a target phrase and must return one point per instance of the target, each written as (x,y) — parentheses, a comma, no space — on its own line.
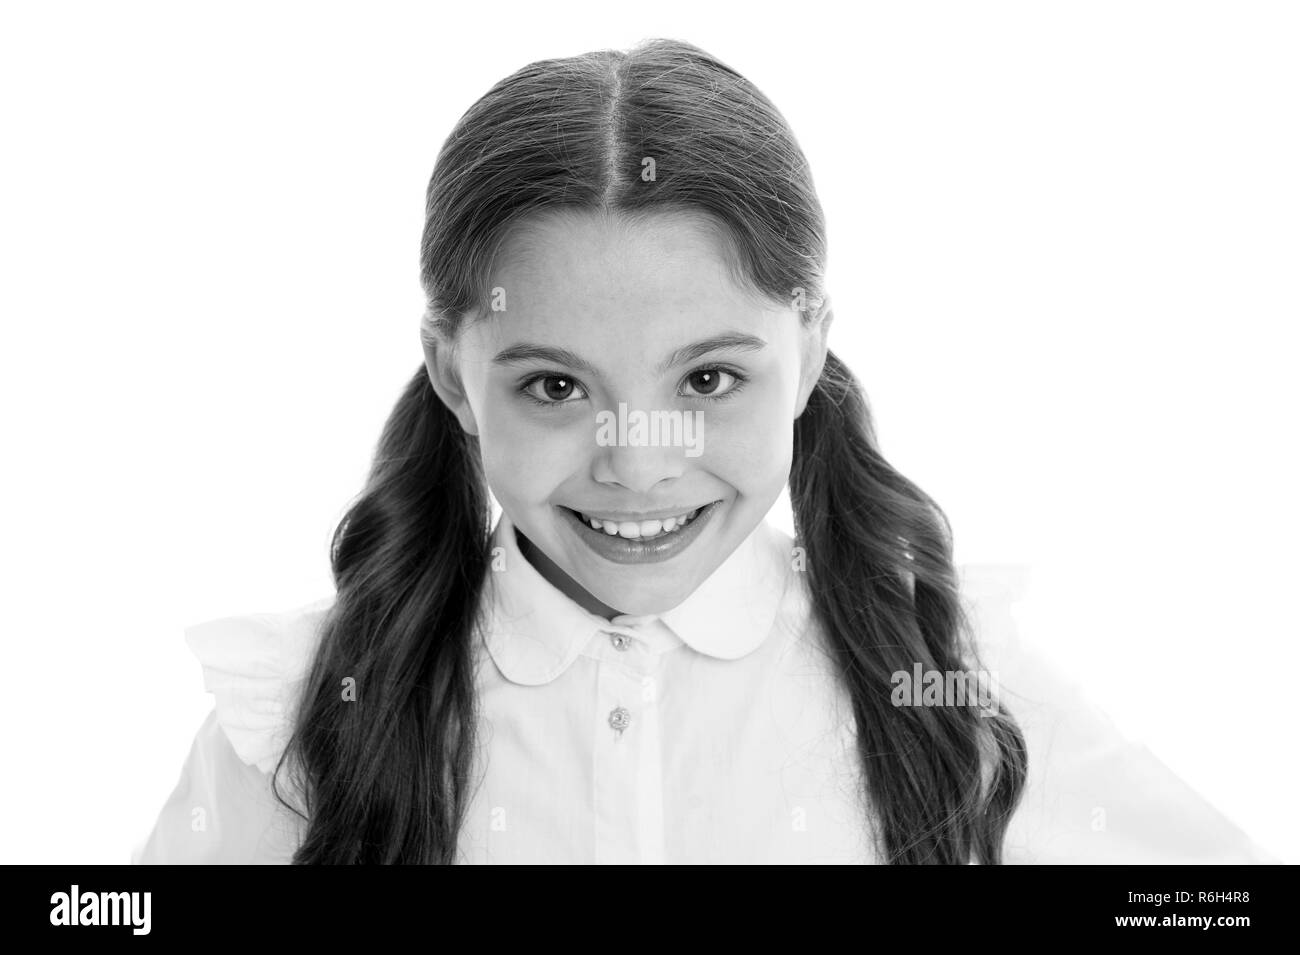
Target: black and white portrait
(671,435)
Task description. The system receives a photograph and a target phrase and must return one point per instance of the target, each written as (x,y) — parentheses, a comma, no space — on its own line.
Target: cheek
(750,445)
(524,457)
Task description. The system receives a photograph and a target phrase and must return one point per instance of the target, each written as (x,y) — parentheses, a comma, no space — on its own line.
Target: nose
(639,468)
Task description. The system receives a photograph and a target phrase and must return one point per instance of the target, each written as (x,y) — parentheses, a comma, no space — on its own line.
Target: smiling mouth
(640,530)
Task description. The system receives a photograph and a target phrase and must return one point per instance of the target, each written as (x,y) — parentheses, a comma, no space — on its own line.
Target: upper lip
(617,517)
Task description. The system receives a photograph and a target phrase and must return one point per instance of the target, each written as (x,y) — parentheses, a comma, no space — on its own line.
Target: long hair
(385,777)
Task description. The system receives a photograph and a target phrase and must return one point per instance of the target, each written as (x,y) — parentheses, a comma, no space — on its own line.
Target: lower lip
(631,550)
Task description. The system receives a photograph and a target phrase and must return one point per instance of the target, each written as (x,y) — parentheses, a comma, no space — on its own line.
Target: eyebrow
(732,341)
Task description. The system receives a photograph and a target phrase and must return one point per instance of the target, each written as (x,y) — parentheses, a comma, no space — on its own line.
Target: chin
(647,602)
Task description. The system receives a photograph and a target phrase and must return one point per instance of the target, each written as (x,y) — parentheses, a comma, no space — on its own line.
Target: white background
(1064,245)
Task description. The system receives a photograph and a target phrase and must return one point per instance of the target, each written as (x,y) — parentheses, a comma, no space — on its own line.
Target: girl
(626,348)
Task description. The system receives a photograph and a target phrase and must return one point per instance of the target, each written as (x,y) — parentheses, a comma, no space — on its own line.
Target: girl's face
(600,325)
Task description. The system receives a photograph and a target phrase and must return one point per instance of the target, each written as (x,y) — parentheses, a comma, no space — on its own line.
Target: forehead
(666,274)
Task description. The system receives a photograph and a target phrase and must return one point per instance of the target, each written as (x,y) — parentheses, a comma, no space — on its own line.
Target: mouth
(654,540)
(645,530)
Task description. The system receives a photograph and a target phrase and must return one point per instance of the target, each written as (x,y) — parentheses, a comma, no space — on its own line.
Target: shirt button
(620,718)
(620,640)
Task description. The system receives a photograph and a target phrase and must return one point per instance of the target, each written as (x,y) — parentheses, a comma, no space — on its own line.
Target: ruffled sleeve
(1093,795)
(254,667)
(223,809)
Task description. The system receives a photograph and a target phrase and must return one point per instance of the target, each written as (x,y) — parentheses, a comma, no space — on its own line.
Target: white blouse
(712,733)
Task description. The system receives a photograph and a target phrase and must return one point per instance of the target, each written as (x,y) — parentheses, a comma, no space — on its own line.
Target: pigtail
(384,771)
(943,780)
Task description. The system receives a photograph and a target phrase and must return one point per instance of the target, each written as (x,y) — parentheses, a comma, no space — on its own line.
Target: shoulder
(1093,793)
(226,806)
(222,811)
(254,665)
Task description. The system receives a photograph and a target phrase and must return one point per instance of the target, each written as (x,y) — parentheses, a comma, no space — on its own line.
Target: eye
(712,382)
(555,390)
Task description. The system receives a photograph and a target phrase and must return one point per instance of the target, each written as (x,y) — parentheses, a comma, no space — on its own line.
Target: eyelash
(551,405)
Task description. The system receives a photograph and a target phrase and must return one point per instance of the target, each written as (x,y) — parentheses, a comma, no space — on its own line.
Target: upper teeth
(633,529)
